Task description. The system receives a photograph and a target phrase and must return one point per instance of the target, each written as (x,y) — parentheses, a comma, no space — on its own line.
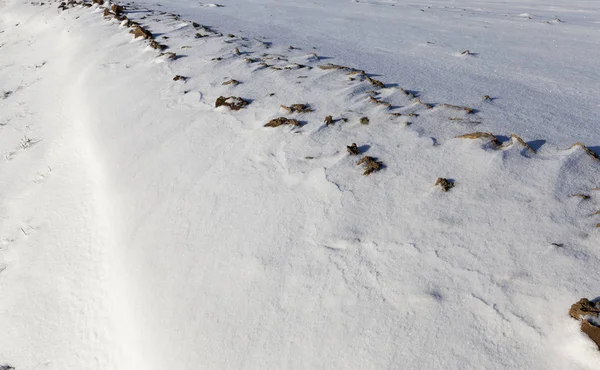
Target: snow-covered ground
(143,228)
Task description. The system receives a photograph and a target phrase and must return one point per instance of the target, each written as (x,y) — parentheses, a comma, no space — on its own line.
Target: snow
(143,228)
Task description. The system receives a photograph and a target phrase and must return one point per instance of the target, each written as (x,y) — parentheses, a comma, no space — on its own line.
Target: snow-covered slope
(143,228)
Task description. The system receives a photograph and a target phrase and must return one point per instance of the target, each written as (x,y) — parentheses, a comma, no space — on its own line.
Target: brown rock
(584,308)
(445,184)
(353,149)
(139,31)
(592,331)
(117,9)
(233,102)
(276,122)
(297,108)
(156,45)
(231,82)
(328,120)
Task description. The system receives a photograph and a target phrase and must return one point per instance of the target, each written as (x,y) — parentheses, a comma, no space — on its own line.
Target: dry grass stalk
(419,101)
(329,66)
(276,122)
(445,184)
(370,165)
(375,82)
(380,102)
(582,196)
(480,135)
(516,138)
(407,93)
(587,150)
(458,107)
(233,102)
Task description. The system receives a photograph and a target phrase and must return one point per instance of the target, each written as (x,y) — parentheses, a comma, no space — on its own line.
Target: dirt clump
(297,108)
(157,46)
(353,149)
(445,184)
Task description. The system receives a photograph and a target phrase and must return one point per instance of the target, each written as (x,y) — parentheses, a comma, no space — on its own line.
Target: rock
(364,120)
(584,308)
(353,149)
(297,108)
(231,82)
(233,102)
(592,331)
(444,183)
(276,122)
(138,31)
(117,9)
(157,46)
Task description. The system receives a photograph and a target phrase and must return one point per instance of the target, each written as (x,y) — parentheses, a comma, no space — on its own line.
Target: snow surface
(143,228)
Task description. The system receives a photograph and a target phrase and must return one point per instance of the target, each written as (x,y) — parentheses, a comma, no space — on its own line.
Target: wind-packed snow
(141,227)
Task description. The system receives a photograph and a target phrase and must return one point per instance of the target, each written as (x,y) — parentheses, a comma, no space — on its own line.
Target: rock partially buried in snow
(591,331)
(276,122)
(588,312)
(584,308)
(117,9)
(445,184)
(233,102)
(139,31)
(353,149)
(297,108)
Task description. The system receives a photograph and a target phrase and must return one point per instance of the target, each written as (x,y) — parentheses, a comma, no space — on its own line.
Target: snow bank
(143,228)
